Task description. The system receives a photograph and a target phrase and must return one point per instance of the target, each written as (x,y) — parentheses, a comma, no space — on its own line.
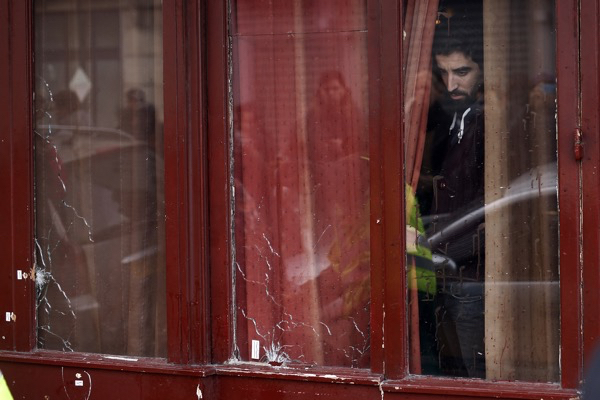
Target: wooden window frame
(199,275)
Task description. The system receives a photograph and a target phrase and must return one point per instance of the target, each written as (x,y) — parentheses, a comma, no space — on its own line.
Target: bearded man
(452,186)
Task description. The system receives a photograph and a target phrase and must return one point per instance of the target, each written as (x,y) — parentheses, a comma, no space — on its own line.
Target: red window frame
(200,328)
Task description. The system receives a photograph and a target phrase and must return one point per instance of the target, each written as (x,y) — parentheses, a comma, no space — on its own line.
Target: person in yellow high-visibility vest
(419,255)
(422,287)
(4,391)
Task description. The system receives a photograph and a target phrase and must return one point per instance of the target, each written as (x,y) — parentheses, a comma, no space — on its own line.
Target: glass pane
(99,262)
(301,172)
(482,221)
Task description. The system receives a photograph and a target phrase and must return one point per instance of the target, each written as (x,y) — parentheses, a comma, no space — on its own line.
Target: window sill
(478,388)
(107,362)
(411,385)
(301,373)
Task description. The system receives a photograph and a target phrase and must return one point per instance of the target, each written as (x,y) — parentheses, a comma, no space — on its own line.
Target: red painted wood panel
(57,382)
(36,381)
(197,172)
(218,181)
(590,126)
(392,221)
(265,389)
(175,184)
(6,218)
(22,175)
(185,172)
(442,388)
(376,171)
(567,94)
(16,222)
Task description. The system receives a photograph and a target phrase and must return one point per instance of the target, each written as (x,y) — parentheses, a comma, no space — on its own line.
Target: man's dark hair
(467,40)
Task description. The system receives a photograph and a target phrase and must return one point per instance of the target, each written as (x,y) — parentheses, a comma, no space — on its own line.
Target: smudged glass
(301,167)
(99,236)
(481,193)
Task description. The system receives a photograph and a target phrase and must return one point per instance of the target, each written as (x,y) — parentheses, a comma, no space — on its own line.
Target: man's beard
(451,105)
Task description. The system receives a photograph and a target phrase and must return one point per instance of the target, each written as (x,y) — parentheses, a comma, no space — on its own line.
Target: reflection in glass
(301,182)
(482,231)
(99,261)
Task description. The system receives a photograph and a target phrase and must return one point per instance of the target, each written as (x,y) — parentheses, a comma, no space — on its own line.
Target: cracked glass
(99,267)
(300,180)
(481,193)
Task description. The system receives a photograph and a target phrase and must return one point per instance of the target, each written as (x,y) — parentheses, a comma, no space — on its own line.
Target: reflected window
(301,182)
(482,221)
(99,206)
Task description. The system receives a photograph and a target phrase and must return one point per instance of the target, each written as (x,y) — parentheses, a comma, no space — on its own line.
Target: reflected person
(138,117)
(452,185)
(337,150)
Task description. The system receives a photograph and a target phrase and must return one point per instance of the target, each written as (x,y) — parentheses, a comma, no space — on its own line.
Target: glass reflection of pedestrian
(138,120)
(138,201)
(338,161)
(138,117)
(334,121)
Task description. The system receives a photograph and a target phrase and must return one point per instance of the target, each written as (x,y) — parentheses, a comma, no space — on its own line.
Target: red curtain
(419,26)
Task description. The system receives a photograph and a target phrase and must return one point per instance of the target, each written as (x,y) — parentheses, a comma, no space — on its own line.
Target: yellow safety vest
(4,391)
(425,278)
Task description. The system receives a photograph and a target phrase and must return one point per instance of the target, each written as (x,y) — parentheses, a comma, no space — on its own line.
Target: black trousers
(460,329)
